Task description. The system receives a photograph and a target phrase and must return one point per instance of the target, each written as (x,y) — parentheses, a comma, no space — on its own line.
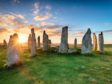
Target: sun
(22,39)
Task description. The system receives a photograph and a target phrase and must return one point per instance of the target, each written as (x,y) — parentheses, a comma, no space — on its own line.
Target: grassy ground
(54,68)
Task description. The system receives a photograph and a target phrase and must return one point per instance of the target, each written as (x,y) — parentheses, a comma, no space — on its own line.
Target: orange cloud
(41,18)
(20,16)
(2,30)
(38,16)
(44,24)
(12,21)
(79,34)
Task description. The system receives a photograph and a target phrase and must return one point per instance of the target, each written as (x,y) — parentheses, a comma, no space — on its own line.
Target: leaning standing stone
(87,43)
(45,42)
(75,43)
(94,42)
(13,51)
(33,43)
(63,48)
(101,42)
(38,45)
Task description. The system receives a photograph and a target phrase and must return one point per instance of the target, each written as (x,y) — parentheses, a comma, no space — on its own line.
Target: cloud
(20,16)
(12,20)
(41,13)
(54,33)
(51,28)
(2,30)
(41,18)
(5,31)
(44,24)
(36,8)
(48,7)
(36,28)
(49,25)
(17,15)
(105,31)
(78,34)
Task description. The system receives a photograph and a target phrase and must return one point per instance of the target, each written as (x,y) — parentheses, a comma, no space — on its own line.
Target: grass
(54,68)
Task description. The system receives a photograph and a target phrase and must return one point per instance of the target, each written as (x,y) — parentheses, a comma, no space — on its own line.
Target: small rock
(71,50)
(92,80)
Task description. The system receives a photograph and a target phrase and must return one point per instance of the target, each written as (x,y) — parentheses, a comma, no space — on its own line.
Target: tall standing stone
(38,45)
(13,51)
(101,42)
(87,43)
(33,43)
(63,48)
(94,42)
(75,43)
(45,42)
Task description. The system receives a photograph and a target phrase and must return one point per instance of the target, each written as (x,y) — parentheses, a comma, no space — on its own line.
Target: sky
(51,15)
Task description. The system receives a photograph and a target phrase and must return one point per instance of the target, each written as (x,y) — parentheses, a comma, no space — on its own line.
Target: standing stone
(4,43)
(13,51)
(38,45)
(94,42)
(45,41)
(33,43)
(87,43)
(63,48)
(75,43)
(101,42)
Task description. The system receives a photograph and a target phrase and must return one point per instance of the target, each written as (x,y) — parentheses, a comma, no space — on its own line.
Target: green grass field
(54,68)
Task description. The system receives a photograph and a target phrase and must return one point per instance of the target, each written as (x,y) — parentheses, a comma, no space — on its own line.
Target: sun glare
(22,39)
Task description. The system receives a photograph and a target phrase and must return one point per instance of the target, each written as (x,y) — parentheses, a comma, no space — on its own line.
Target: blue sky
(77,14)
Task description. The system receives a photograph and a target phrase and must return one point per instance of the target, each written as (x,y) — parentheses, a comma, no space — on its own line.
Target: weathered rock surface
(75,43)
(45,42)
(94,42)
(33,43)
(101,42)
(63,48)
(13,51)
(87,43)
(38,45)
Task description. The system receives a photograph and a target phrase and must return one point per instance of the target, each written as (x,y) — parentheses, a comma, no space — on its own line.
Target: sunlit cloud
(36,8)
(44,24)
(2,30)
(39,15)
(20,16)
(41,18)
(12,21)
(17,15)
